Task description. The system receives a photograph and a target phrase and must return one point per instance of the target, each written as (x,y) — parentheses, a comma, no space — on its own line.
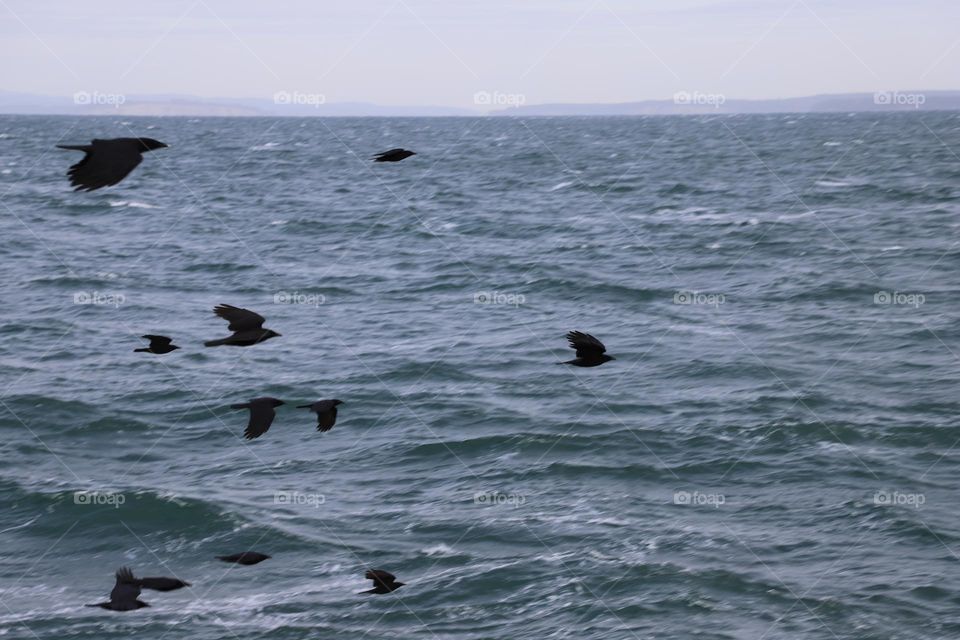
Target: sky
(443,52)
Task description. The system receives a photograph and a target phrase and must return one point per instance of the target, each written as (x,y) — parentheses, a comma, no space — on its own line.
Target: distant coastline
(307,105)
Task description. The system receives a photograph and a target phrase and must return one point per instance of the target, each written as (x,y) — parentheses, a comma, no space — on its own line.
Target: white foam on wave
(562,185)
(833,184)
(267,146)
(439,550)
(832,144)
(133,204)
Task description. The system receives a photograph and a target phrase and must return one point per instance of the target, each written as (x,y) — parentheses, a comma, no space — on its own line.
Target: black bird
(125,595)
(247,557)
(383,581)
(326,411)
(107,162)
(261,415)
(158,344)
(394,155)
(246,325)
(163,584)
(590,351)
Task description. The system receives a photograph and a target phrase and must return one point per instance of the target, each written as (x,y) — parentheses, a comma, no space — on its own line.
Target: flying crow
(125,595)
(107,162)
(261,415)
(158,344)
(246,325)
(383,581)
(590,351)
(247,557)
(326,411)
(394,155)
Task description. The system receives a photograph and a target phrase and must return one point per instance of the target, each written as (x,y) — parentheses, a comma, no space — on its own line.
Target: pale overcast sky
(441,52)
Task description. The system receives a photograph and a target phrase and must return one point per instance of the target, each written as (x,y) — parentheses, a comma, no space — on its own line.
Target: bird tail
(139,350)
(215,343)
(74,147)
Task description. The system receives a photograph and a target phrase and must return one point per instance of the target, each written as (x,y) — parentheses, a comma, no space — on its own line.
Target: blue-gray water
(772,455)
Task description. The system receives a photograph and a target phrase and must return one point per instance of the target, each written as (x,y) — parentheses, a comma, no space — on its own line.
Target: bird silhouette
(246,325)
(326,411)
(261,415)
(590,351)
(245,558)
(393,155)
(107,162)
(383,581)
(125,595)
(158,344)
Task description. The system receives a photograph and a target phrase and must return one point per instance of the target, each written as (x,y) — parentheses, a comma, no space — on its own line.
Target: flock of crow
(107,162)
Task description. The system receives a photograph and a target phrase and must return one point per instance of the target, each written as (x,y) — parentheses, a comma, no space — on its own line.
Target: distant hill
(705,103)
(304,105)
(281,104)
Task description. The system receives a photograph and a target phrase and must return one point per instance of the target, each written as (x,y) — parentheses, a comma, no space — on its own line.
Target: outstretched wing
(380,577)
(104,164)
(585,344)
(326,419)
(157,341)
(239,319)
(261,417)
(126,589)
(162,584)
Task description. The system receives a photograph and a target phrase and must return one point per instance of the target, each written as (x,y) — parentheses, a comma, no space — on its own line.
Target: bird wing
(380,577)
(105,163)
(585,344)
(127,588)
(387,153)
(239,319)
(261,417)
(326,419)
(157,341)
(162,584)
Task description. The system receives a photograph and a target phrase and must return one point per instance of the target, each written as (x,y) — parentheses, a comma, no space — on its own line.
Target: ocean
(772,455)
